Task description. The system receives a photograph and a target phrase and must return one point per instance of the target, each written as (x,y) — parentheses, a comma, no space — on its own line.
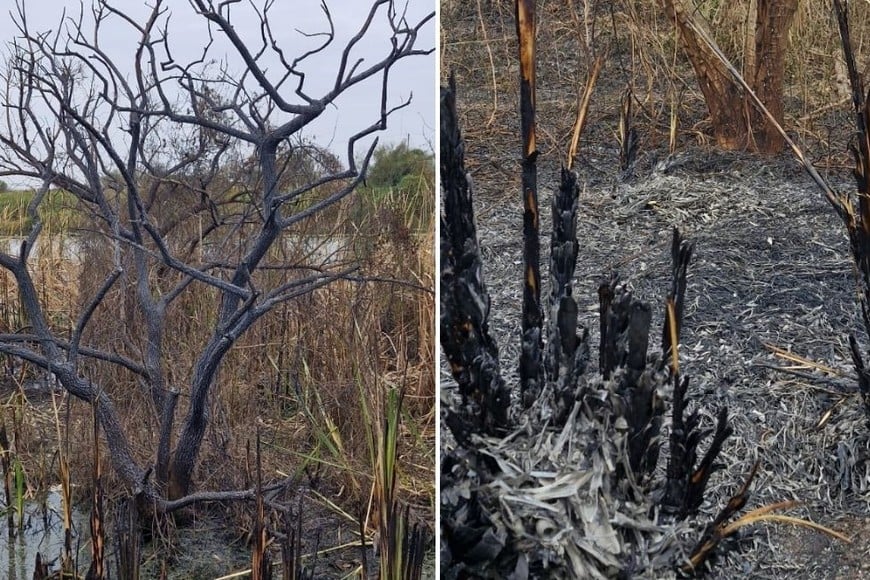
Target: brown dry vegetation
(306,377)
(479,46)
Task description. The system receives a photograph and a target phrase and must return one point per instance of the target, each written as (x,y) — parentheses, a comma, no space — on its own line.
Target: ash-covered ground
(771,270)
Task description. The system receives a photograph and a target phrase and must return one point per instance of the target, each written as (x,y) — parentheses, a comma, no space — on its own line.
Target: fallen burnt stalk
(858,224)
(571,490)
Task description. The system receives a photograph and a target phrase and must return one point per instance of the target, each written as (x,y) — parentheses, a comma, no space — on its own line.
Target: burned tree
(129,138)
(736,123)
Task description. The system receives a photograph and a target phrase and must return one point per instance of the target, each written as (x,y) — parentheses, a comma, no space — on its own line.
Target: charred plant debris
(467,344)
(858,223)
(568,486)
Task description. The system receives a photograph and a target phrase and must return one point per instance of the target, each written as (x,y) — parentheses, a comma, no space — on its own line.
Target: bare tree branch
(184,174)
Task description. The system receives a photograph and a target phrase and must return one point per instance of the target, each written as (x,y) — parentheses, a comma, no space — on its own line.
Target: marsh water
(42,532)
(207,552)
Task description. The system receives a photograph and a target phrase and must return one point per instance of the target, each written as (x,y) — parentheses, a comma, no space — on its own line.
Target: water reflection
(42,532)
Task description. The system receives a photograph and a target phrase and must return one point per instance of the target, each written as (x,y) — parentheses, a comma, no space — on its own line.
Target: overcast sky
(294,22)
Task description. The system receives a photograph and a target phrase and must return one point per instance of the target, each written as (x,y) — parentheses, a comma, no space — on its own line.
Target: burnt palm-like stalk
(465,339)
(625,327)
(686,478)
(531,369)
(567,350)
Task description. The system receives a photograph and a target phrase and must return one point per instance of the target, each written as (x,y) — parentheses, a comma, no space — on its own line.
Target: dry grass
(639,44)
(303,373)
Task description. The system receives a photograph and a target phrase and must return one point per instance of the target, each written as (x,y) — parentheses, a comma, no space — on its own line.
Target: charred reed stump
(567,349)
(681,255)
(531,368)
(628,139)
(465,339)
(717,530)
(686,478)
(414,542)
(625,328)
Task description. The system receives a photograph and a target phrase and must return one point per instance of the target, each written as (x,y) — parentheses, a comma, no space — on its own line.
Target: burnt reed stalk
(531,368)
(465,339)
(858,225)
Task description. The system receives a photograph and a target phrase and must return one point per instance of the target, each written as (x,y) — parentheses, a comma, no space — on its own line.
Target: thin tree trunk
(723,98)
(772,22)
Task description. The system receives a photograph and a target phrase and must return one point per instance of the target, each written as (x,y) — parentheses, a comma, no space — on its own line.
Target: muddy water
(42,532)
(199,552)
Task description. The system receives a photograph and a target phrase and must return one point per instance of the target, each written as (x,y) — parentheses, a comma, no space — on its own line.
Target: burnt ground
(771,269)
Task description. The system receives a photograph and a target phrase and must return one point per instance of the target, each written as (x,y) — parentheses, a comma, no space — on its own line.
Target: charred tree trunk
(772,22)
(736,123)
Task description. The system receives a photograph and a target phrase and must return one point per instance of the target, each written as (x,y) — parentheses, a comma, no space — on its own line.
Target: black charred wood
(624,330)
(698,481)
(531,369)
(465,339)
(414,542)
(638,336)
(566,326)
(565,343)
(471,543)
(625,341)
(644,418)
(686,483)
(715,531)
(531,354)
(681,255)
